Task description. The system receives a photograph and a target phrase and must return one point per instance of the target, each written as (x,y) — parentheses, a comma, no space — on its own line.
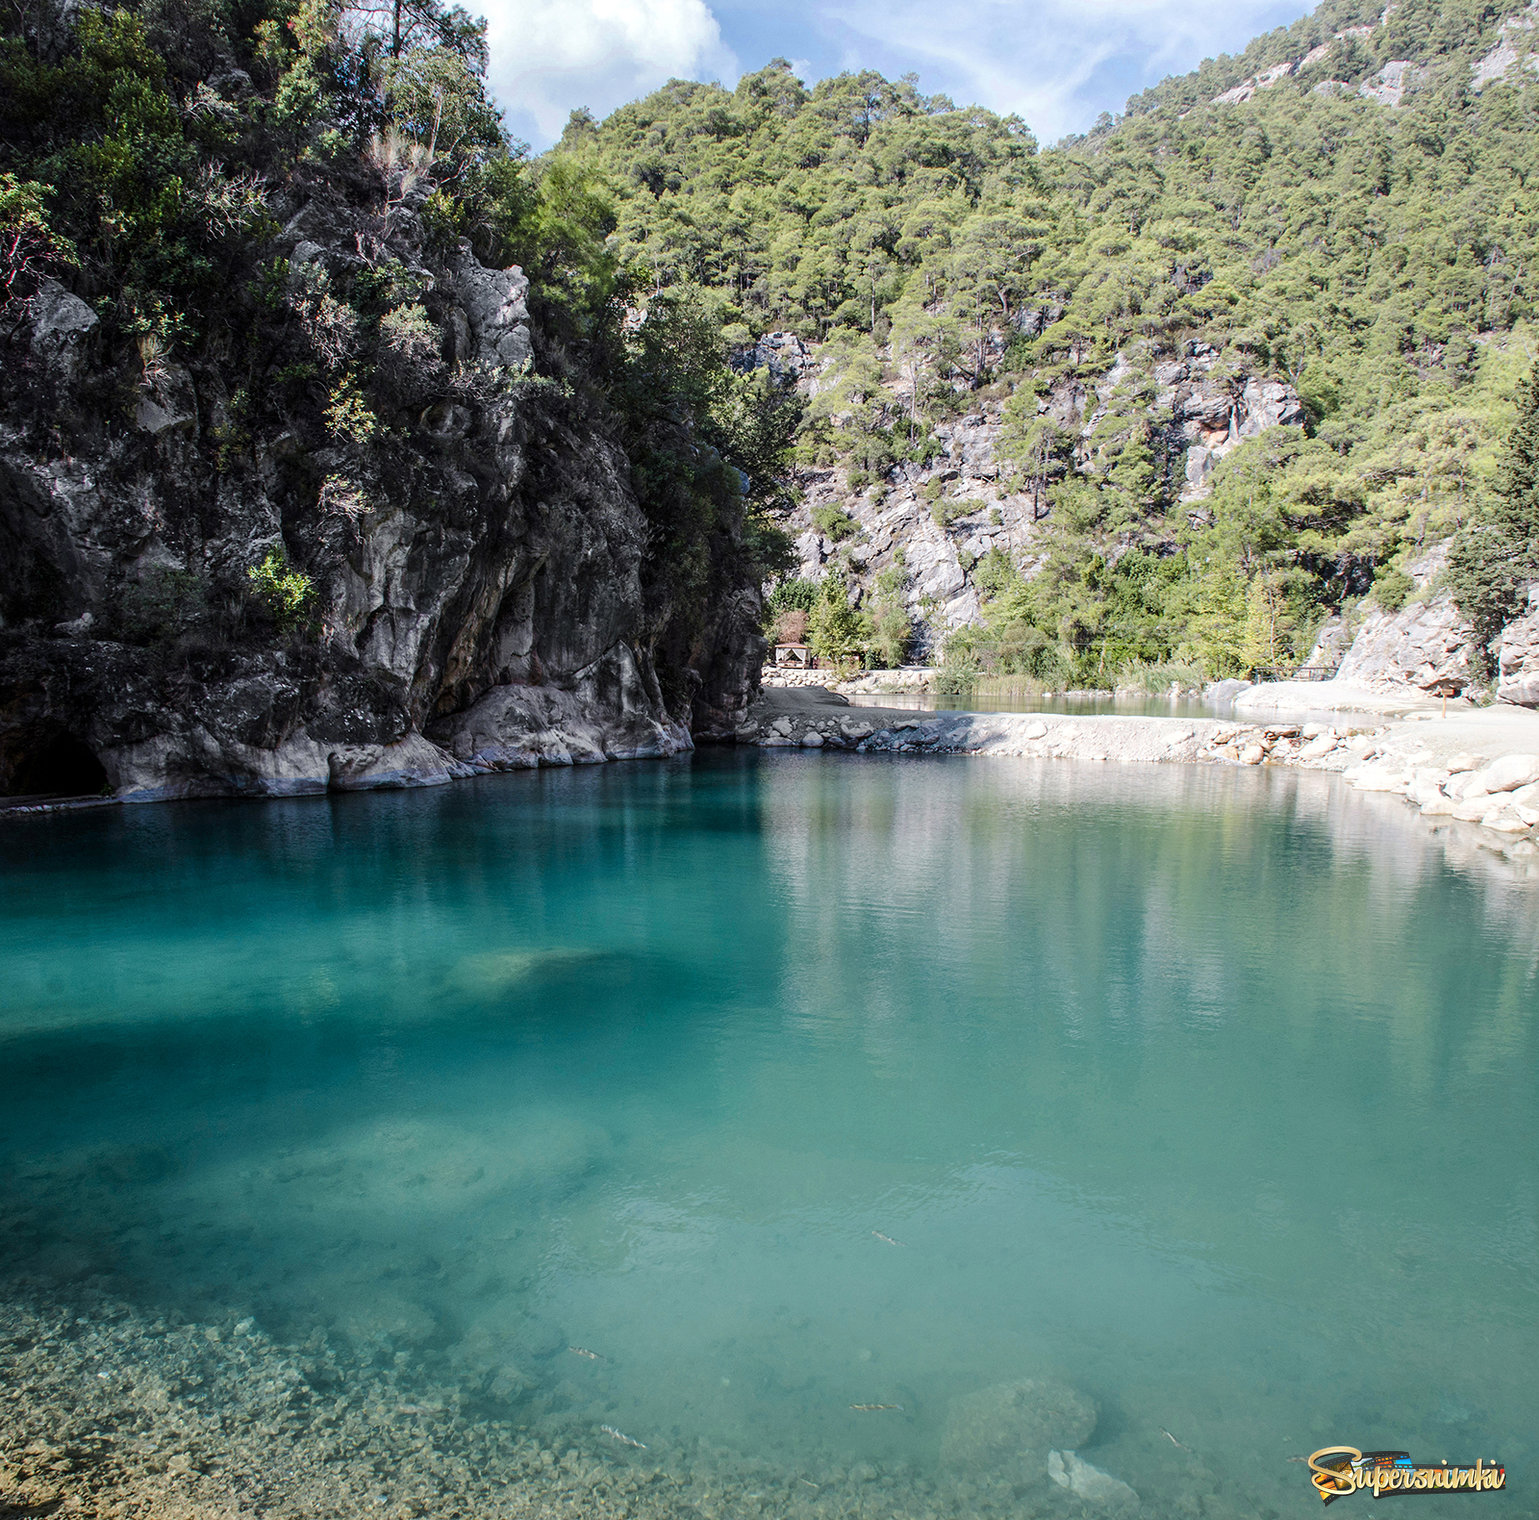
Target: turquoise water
(1210,1094)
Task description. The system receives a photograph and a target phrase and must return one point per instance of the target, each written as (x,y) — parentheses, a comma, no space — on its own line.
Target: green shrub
(834,522)
(289,595)
(1391,586)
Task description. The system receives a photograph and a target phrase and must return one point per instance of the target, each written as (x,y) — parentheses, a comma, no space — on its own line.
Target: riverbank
(1473,767)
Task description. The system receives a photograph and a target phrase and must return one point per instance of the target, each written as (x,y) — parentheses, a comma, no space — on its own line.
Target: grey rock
(611,715)
(1501,58)
(411,761)
(1097,1488)
(496,311)
(1424,646)
(1508,773)
(1390,84)
(57,317)
(482,593)
(1517,678)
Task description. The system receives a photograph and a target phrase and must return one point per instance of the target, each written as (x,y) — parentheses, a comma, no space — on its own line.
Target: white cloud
(1044,59)
(549,56)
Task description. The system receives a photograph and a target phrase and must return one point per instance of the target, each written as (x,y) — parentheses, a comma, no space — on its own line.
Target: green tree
(1495,558)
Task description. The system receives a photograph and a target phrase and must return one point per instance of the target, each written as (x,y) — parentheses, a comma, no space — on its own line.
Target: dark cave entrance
(56,764)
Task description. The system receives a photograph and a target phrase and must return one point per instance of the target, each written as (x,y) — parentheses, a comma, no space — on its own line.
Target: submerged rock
(1089,1483)
(996,1424)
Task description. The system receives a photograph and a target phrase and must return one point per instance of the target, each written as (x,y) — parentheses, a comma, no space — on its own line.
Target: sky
(1056,63)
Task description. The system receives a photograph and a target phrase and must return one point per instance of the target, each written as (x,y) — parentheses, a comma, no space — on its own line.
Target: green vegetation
(1496,555)
(834,522)
(1375,260)
(287,594)
(147,155)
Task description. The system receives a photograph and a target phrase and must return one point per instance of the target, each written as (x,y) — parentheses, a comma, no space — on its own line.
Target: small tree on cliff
(1497,556)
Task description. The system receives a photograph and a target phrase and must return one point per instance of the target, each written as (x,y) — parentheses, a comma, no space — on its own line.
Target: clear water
(1210,1093)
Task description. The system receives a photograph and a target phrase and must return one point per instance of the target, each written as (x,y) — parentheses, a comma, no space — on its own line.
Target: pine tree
(1494,560)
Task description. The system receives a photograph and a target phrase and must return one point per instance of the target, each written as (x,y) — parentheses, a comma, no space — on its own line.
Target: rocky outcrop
(1424,646)
(611,714)
(1517,678)
(1387,87)
(1212,418)
(477,562)
(1513,44)
(942,519)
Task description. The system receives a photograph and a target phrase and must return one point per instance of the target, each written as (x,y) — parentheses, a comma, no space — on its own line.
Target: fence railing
(1303,673)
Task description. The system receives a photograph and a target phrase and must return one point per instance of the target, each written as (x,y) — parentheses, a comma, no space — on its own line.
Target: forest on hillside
(1379,259)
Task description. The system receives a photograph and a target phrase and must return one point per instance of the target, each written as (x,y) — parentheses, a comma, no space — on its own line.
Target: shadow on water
(794,1083)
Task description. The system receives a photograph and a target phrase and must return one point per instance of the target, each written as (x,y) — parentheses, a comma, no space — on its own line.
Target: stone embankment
(1477,766)
(877,683)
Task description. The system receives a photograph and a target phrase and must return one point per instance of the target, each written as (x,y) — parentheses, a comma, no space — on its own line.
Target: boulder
(1505,819)
(1472,810)
(1089,1483)
(412,761)
(1509,773)
(996,1424)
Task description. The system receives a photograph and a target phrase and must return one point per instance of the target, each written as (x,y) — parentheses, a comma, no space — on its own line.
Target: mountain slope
(1338,225)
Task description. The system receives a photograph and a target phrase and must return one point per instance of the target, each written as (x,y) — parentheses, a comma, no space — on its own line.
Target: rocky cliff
(222,580)
(943,517)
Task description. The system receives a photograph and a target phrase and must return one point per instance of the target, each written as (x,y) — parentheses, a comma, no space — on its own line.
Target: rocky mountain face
(944,517)
(1427,645)
(476,562)
(1390,84)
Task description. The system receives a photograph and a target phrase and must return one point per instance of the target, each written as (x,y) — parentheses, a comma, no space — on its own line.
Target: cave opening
(58,765)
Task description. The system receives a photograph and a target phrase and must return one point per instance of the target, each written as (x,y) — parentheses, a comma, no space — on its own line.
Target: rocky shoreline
(1475,767)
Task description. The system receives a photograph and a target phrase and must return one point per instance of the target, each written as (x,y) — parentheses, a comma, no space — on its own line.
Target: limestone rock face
(997,1424)
(612,715)
(944,517)
(1425,646)
(480,564)
(496,312)
(1518,657)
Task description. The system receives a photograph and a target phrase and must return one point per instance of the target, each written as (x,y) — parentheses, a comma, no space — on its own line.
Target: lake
(785,1084)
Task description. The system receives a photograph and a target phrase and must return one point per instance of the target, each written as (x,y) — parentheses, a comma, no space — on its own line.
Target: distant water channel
(1077,703)
(791,1083)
